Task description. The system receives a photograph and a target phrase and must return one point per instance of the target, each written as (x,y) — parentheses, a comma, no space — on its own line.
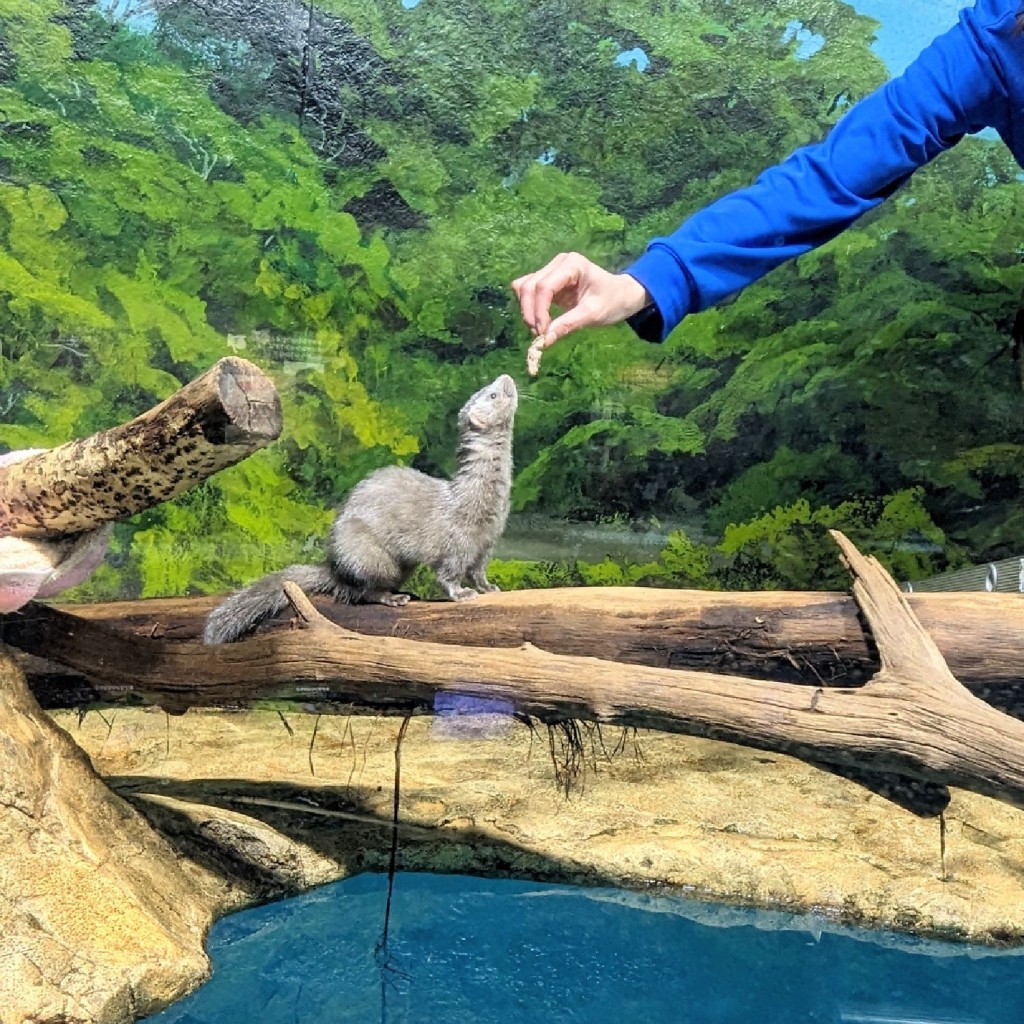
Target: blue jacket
(970,78)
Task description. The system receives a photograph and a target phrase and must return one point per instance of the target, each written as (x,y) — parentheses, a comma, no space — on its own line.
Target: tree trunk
(811,638)
(912,718)
(211,423)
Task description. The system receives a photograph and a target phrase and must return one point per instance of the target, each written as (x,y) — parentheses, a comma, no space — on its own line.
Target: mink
(398,518)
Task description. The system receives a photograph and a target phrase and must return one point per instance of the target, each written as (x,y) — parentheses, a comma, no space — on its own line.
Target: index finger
(534,298)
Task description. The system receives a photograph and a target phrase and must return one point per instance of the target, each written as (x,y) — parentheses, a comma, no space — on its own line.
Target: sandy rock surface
(103,909)
(479,795)
(100,920)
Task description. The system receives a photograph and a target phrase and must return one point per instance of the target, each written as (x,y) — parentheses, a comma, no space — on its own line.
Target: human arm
(952,88)
(956,85)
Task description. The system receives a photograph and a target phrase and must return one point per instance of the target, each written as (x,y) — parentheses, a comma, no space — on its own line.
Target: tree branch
(912,718)
(211,423)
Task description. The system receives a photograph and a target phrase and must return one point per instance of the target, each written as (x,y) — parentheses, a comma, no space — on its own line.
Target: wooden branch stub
(211,423)
(307,614)
(301,605)
(904,646)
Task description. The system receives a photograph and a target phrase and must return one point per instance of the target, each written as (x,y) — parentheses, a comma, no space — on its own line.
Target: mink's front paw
(464,594)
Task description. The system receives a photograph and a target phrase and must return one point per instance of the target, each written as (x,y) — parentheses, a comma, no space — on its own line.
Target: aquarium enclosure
(362,658)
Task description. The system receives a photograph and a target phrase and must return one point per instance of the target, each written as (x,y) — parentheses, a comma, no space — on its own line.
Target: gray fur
(263,599)
(398,518)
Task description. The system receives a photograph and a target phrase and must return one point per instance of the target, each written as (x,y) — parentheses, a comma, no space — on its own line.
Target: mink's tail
(243,612)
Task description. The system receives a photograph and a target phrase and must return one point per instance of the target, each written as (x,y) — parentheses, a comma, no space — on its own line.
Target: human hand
(590,296)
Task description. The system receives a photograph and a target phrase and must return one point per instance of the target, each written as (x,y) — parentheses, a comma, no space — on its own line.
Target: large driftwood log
(213,422)
(812,638)
(912,718)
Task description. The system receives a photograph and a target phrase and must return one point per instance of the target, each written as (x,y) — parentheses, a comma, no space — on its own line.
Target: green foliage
(685,563)
(681,563)
(526,575)
(172,196)
(789,547)
(589,468)
(826,474)
(137,223)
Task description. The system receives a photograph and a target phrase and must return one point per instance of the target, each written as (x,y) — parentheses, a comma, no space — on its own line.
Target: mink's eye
(493,395)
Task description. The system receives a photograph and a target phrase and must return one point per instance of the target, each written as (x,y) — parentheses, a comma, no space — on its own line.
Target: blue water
(469,950)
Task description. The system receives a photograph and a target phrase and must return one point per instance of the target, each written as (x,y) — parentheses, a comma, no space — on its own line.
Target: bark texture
(805,637)
(213,422)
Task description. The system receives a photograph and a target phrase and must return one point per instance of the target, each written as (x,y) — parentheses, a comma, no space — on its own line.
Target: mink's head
(492,408)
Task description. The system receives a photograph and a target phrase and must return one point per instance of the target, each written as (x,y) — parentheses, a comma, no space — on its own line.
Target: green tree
(342,192)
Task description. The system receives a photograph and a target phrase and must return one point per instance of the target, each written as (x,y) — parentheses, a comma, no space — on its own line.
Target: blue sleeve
(955,86)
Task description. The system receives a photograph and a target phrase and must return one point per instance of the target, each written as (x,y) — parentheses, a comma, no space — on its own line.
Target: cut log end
(251,404)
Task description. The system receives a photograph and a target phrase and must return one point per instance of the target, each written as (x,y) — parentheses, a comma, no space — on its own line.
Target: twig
(382,946)
(312,740)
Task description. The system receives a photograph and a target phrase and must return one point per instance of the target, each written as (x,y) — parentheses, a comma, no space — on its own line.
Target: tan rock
(697,816)
(102,917)
(99,919)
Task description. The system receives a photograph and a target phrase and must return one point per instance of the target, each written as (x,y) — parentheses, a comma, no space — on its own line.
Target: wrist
(633,295)
(669,284)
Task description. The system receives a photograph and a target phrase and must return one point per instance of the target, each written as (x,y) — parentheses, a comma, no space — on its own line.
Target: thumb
(571,320)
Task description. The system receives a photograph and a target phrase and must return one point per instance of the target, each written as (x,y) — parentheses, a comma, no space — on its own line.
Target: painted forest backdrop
(341,191)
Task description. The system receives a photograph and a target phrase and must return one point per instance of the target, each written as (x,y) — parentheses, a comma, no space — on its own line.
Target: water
(503,952)
(539,538)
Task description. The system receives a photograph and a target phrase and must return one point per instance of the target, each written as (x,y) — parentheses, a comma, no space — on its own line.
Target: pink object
(17,589)
(21,584)
(12,457)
